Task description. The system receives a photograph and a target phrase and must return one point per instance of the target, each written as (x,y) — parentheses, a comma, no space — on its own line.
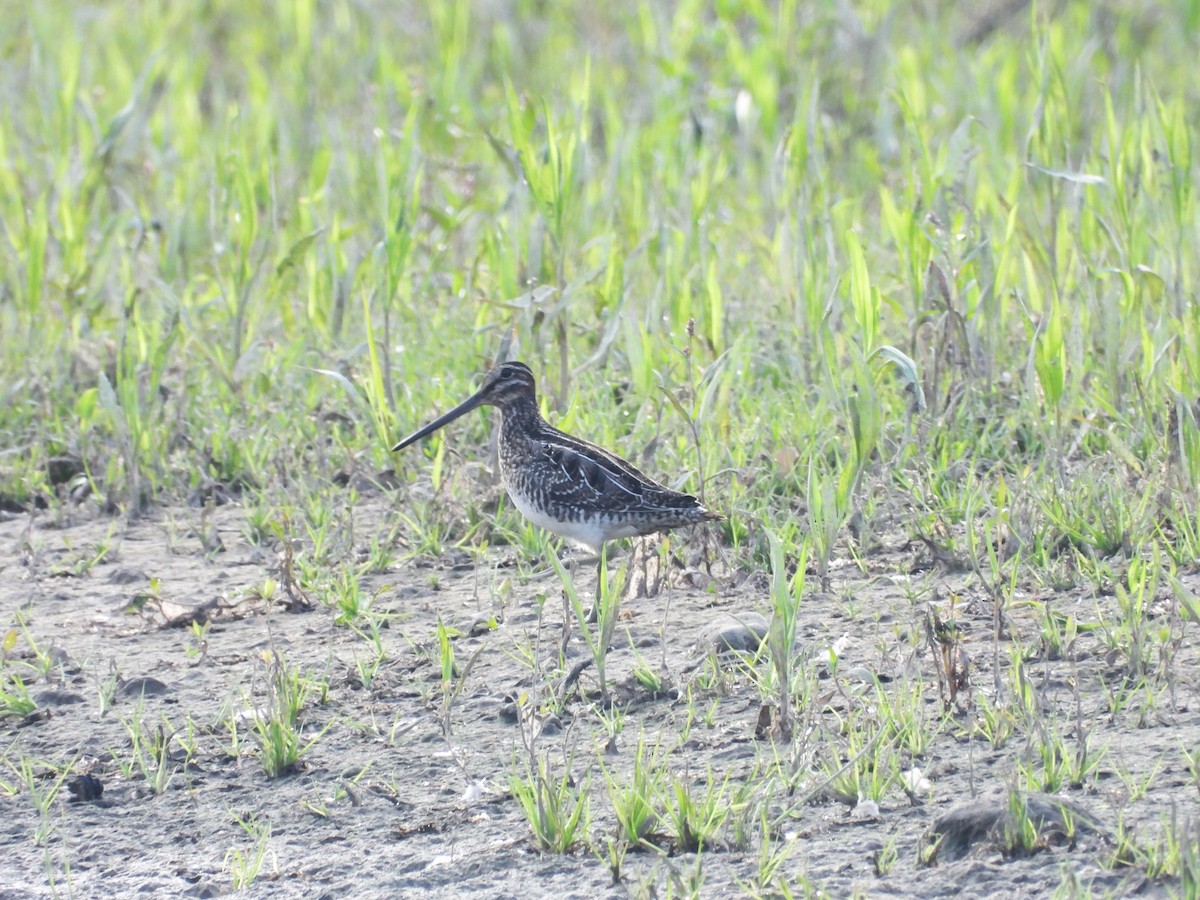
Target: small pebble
(85,788)
(742,633)
(143,687)
(865,809)
(128,575)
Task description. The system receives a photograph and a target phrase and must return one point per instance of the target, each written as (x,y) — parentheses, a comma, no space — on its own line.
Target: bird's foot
(568,682)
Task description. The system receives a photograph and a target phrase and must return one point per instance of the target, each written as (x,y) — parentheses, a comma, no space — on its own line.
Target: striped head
(509,386)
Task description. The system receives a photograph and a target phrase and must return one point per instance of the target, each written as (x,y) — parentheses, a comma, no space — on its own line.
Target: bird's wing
(583,476)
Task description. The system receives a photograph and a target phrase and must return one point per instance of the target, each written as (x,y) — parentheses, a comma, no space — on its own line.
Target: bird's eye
(506,372)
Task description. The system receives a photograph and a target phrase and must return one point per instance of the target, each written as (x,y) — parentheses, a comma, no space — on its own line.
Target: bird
(566,485)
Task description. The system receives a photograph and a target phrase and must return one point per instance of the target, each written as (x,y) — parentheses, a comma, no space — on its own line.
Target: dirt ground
(386,804)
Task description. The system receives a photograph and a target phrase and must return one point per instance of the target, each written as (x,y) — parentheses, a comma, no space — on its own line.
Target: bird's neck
(520,421)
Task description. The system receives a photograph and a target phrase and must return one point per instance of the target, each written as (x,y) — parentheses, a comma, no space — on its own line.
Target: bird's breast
(574,525)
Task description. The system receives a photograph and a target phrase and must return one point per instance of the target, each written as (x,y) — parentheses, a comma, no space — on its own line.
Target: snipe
(561,483)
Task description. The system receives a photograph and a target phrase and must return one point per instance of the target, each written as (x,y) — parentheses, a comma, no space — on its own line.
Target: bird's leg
(572,676)
(594,613)
(601,571)
(603,614)
(567,615)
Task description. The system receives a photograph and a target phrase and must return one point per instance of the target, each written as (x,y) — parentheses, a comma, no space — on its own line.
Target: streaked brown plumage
(566,485)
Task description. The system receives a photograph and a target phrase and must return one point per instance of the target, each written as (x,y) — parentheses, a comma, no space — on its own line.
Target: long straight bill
(465,407)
